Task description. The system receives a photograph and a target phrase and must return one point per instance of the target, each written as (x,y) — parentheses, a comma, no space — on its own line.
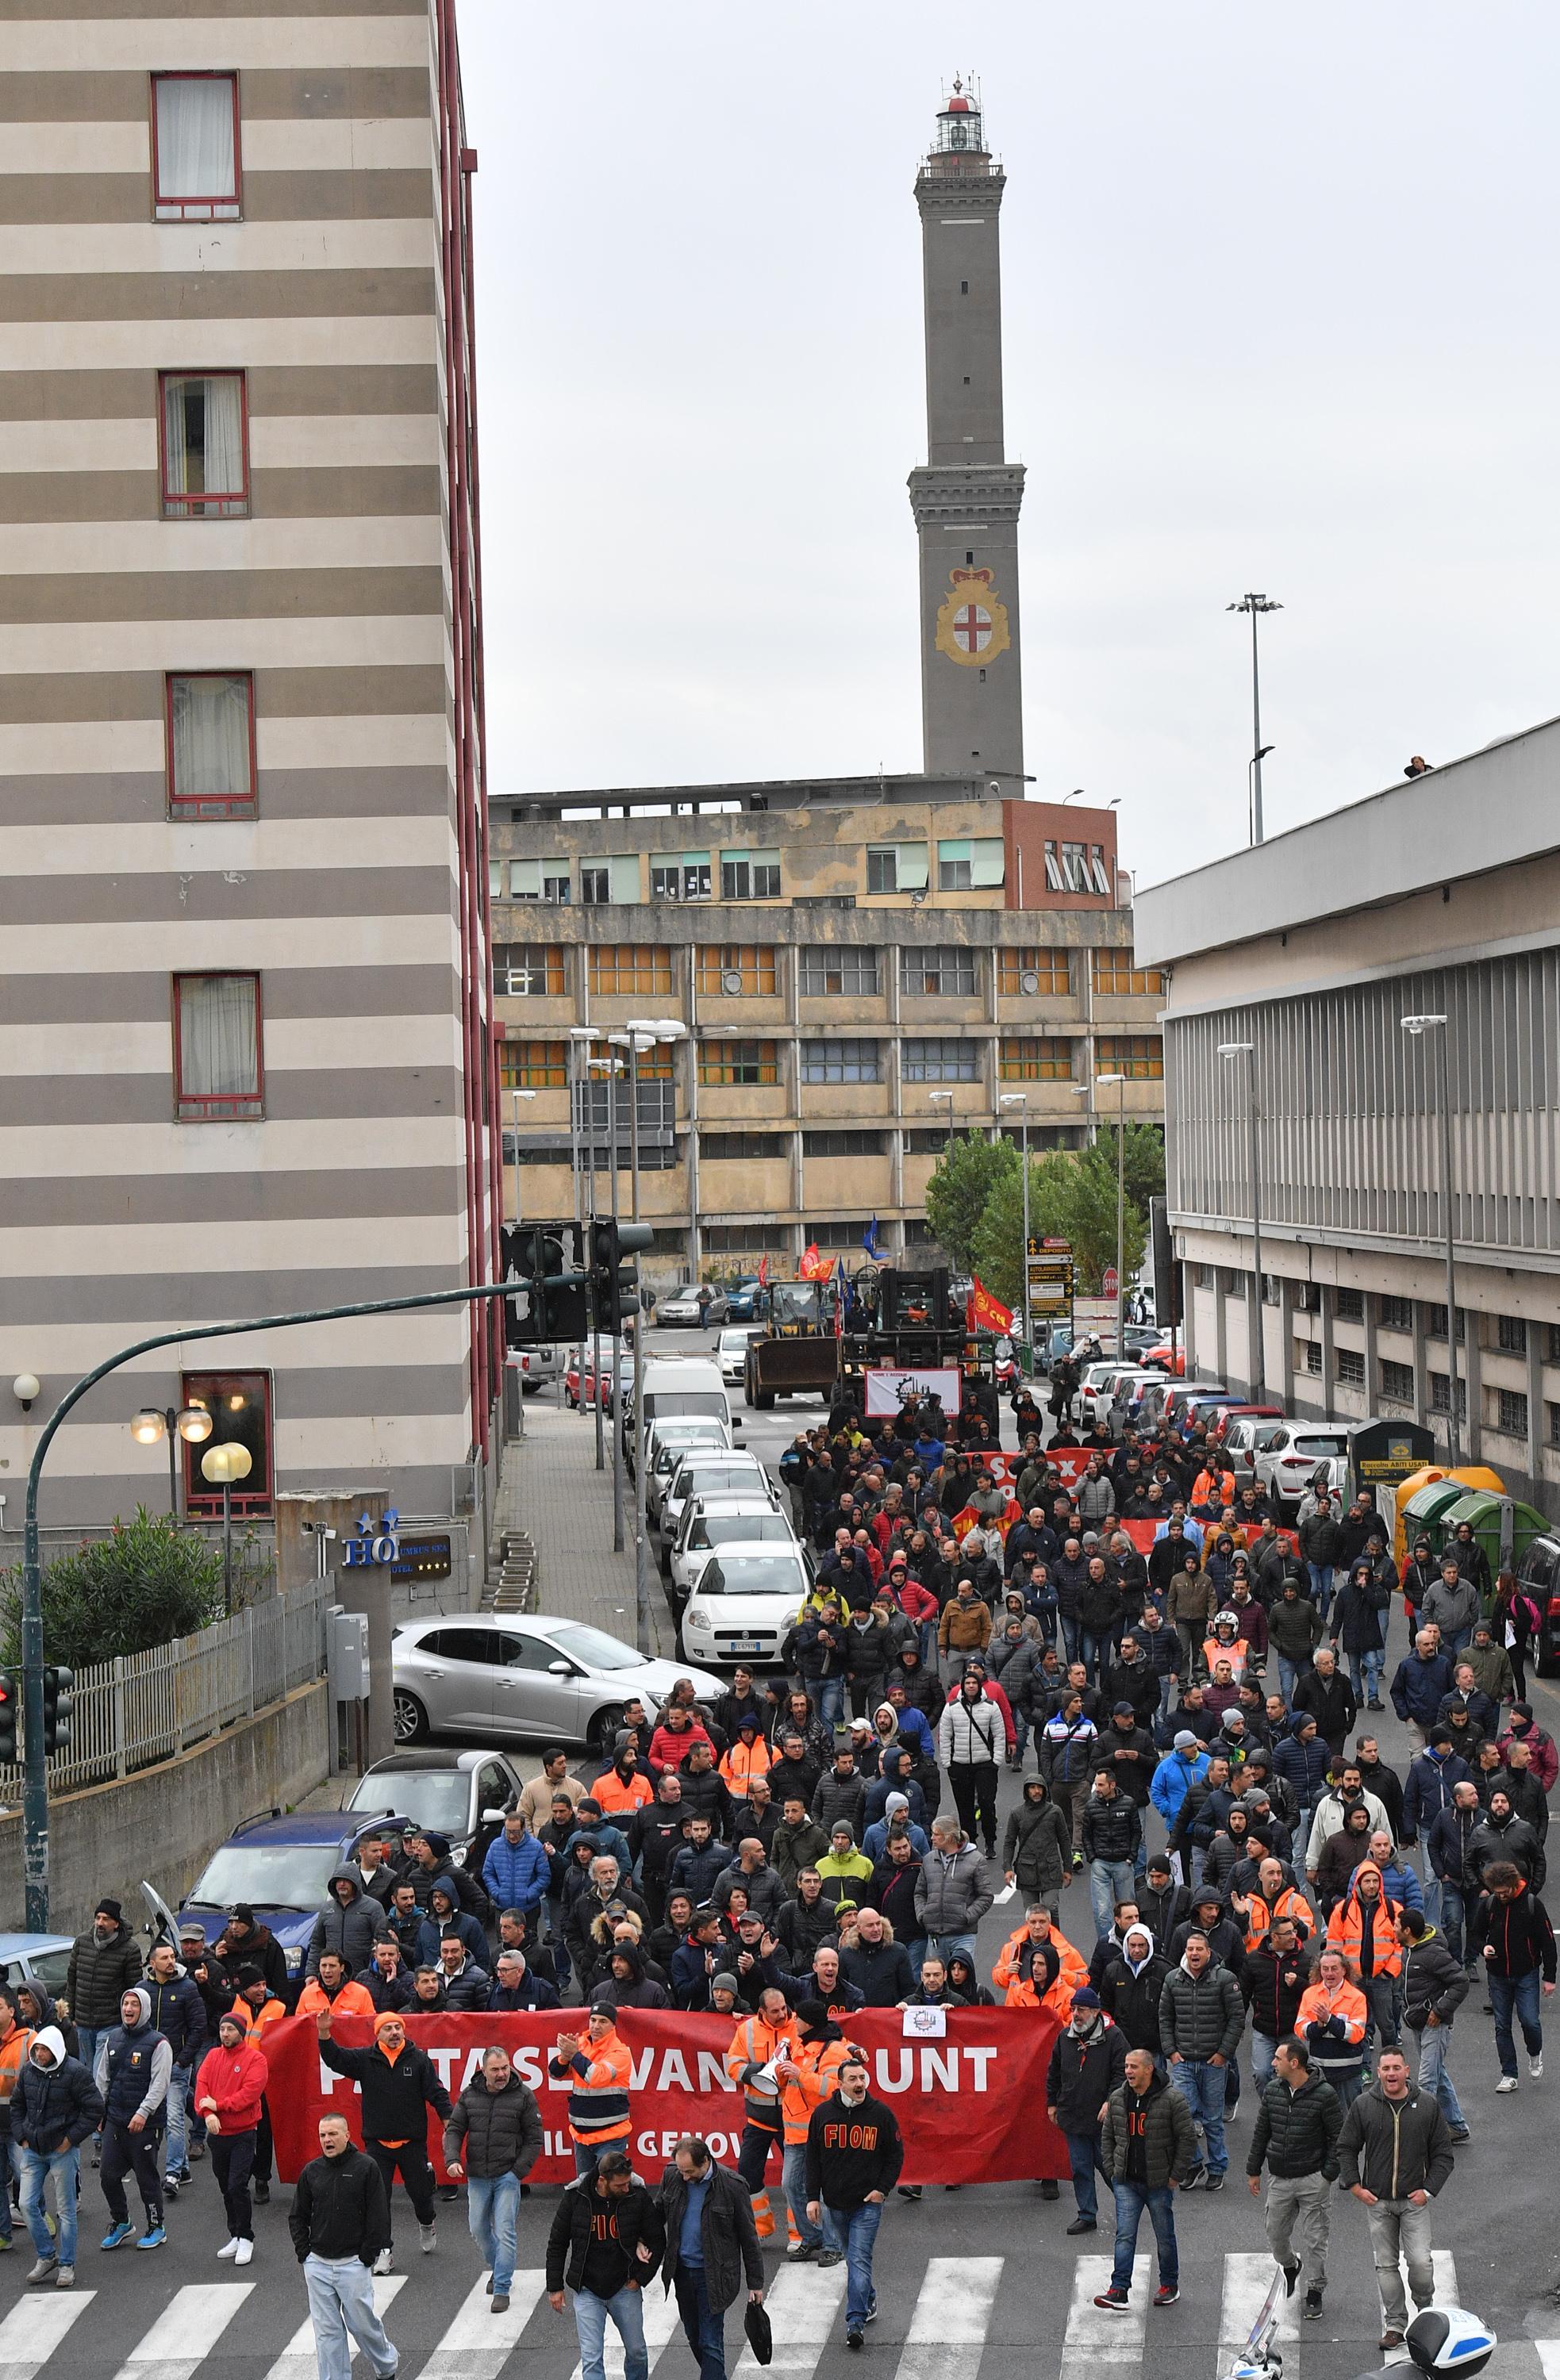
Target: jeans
(1109,1881)
(10,2163)
(851,2232)
(36,2167)
(126,2152)
(1321,1576)
(1365,1676)
(1400,2233)
(1451,1918)
(232,2162)
(1070,1637)
(181,2083)
(341,2307)
(1262,2046)
(1382,2030)
(1289,1676)
(1460,1640)
(591,2315)
(1307,2200)
(1096,1655)
(1130,2200)
(1202,2087)
(793,2177)
(586,2154)
(943,1946)
(703,2326)
(1433,2043)
(492,2209)
(827,1697)
(1519,1993)
(1083,2154)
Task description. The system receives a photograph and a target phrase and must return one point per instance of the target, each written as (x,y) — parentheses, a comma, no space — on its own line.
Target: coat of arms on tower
(971,624)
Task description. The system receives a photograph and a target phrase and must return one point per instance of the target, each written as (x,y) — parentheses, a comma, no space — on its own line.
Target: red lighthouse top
(959,130)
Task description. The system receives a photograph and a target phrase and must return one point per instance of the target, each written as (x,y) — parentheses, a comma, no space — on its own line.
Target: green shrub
(141,1586)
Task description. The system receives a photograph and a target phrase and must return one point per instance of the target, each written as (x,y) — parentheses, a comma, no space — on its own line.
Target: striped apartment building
(244,1046)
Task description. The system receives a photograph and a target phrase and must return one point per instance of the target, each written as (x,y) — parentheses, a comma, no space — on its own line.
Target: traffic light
(616,1292)
(552,1303)
(56,1709)
(10,1712)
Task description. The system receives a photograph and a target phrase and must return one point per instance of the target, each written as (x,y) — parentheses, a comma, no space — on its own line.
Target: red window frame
(252,1499)
(208,806)
(198,209)
(218,1107)
(176,505)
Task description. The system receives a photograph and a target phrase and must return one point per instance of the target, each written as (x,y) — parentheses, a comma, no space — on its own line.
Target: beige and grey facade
(858,961)
(1438,897)
(245,1047)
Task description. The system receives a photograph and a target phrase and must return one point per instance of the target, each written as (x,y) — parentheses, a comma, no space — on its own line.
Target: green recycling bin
(1502,1526)
(1424,1514)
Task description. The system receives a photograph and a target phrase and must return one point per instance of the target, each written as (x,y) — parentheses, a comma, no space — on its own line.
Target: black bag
(761,2337)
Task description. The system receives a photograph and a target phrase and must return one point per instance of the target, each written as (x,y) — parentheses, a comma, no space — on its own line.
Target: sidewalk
(552,1492)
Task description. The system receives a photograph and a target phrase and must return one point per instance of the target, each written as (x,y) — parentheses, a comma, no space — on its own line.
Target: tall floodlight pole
(1256,1335)
(1440,1025)
(1256,605)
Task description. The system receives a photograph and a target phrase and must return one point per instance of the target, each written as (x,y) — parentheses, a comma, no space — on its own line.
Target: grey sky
(1278,314)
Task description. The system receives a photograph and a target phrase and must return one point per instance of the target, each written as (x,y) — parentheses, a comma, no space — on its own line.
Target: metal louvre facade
(1348,1110)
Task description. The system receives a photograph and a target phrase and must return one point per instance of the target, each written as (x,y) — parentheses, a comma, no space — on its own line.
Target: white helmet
(1444,2339)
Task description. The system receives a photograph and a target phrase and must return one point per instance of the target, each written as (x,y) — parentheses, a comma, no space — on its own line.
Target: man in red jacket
(228,2090)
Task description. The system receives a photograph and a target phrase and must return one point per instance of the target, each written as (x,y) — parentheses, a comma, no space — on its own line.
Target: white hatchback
(726,1516)
(743,1604)
(1294,1455)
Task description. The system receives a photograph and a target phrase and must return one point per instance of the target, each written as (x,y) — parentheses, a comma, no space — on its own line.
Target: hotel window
(937,971)
(842,1061)
(218,1070)
(528,971)
(941,1062)
(1138,1056)
(624,967)
(1049,969)
(749,875)
(722,1063)
(1115,974)
(736,970)
(1026,1061)
(897,867)
(533,1066)
(240,1405)
(681,876)
(211,750)
(205,447)
(825,974)
(195,148)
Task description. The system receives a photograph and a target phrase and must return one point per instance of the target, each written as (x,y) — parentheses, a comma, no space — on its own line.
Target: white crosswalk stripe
(1094,2338)
(952,2315)
(32,2330)
(803,2309)
(297,2361)
(185,2332)
(1549,2357)
(659,2311)
(478,2343)
(1445,2276)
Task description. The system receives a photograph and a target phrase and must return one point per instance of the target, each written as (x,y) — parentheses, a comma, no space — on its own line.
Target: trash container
(1502,1526)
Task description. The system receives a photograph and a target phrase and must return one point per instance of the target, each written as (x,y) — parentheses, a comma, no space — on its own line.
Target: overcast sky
(1278,314)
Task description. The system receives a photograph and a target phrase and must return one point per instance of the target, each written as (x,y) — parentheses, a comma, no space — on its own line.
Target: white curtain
(218,1057)
(195,136)
(210,724)
(203,438)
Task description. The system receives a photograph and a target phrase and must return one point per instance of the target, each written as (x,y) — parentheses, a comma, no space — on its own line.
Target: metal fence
(143,1707)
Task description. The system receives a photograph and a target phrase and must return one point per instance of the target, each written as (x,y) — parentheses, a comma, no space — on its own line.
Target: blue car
(279,1864)
(748,1302)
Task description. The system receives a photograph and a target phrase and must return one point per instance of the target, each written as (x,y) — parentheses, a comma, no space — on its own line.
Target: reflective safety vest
(819,2062)
(1289,1904)
(597,2104)
(753,2044)
(742,1764)
(1345,1930)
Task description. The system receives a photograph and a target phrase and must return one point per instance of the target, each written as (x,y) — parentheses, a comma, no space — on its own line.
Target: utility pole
(1256,605)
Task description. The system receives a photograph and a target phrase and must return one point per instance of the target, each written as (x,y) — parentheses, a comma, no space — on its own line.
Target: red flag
(813,1267)
(763,1273)
(985,1312)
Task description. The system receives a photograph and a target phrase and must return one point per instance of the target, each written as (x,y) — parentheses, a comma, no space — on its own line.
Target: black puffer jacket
(1131,2000)
(100,1974)
(1084,2070)
(492,2133)
(1112,1829)
(637,2219)
(1297,2130)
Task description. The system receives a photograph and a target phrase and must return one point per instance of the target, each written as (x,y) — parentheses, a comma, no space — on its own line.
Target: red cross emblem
(973,627)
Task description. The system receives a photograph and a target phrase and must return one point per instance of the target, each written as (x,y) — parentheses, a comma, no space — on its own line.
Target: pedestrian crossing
(947,2328)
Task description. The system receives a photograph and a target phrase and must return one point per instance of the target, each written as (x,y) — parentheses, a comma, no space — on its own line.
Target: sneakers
(827,2256)
(1167,2294)
(1291,2274)
(1459,2132)
(1112,2300)
(1311,2310)
(262,2194)
(853,2338)
(229,2248)
(155,2238)
(1535,2068)
(382,2262)
(910,2192)
(246,2252)
(1193,2180)
(65,2278)
(427,2237)
(801,2254)
(1506,2083)
(174,2182)
(43,2271)
(117,2233)
(1214,2181)
(871,2310)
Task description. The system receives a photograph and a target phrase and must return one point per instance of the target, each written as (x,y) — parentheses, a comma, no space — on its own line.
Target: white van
(672,1386)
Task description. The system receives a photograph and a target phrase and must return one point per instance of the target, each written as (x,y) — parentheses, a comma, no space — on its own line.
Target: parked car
(537,1366)
(748,1302)
(580,1380)
(1171,1361)
(1114,1403)
(1244,1437)
(1050,1344)
(731,1354)
(725,1518)
(280,1863)
(461,1795)
(665,1453)
(742,1604)
(712,1474)
(529,1678)
(1295,1453)
(41,1959)
(1539,1572)
(1182,1393)
(694,1307)
(1206,1408)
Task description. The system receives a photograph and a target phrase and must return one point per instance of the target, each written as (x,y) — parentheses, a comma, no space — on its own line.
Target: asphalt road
(977,2285)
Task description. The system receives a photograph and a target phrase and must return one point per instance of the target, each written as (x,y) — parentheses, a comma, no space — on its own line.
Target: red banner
(971,2106)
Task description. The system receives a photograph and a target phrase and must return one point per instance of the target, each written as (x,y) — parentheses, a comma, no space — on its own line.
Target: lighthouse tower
(965,496)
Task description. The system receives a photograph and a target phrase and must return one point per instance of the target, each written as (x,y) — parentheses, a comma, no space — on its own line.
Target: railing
(143,1707)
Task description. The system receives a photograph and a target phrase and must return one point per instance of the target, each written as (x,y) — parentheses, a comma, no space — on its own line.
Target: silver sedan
(513,1679)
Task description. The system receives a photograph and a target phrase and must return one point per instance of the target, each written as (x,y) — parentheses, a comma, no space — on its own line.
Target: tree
(142,1584)
(967,1172)
(1072,1198)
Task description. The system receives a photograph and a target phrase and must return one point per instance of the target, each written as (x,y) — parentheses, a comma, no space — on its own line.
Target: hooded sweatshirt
(134,2063)
(235,2079)
(353,1929)
(54,2103)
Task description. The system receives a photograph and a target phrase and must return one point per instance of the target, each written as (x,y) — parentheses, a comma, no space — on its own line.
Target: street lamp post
(612,1068)
(1417,1027)
(222,1465)
(642,1033)
(190,1422)
(1120,1082)
(1256,605)
(516,1095)
(1256,1331)
(583,1035)
(1020,1099)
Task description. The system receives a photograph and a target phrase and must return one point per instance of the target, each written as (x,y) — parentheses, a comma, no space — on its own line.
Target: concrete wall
(163,1823)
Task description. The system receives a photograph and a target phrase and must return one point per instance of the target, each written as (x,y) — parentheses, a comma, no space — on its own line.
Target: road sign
(1050,1284)
(1111,1282)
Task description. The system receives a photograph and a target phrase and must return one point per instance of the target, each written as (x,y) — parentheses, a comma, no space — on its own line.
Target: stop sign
(1112,1281)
